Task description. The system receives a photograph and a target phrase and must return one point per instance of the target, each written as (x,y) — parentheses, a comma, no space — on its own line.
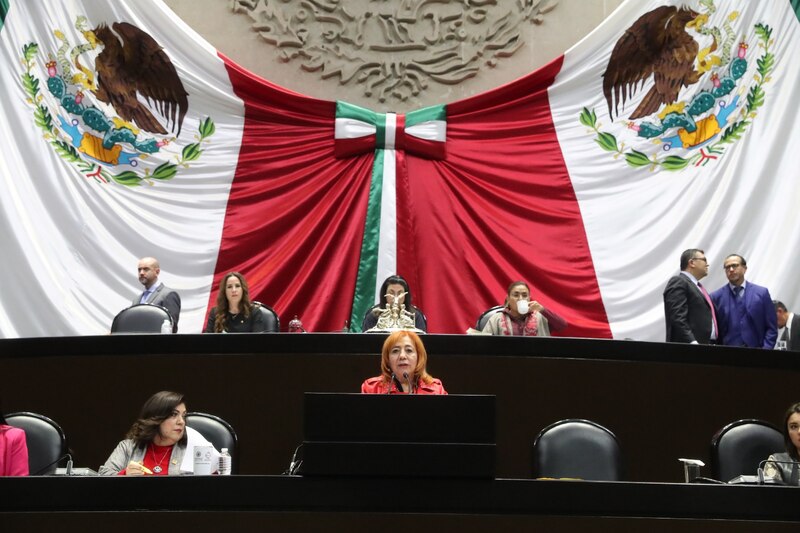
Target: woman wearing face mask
(524,317)
(394,287)
(403,362)
(234,313)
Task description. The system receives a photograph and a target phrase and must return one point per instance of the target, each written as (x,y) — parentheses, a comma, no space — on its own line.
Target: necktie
(711,305)
(145,296)
(737,292)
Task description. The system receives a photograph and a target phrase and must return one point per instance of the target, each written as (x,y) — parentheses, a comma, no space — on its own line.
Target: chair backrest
(45,439)
(271,320)
(376,306)
(218,432)
(486,315)
(738,448)
(577,448)
(140,318)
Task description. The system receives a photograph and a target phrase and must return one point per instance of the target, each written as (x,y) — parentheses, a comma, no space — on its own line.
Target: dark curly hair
(155,410)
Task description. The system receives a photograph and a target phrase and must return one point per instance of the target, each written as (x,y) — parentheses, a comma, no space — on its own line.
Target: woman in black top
(394,287)
(235,313)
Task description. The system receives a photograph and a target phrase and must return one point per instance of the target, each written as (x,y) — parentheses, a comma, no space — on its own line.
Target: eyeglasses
(700,259)
(732,266)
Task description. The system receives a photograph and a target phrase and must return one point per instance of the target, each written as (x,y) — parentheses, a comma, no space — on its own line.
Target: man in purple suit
(745,310)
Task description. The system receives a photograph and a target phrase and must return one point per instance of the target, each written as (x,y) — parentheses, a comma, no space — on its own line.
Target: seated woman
(235,313)
(522,317)
(13,450)
(786,467)
(403,362)
(394,287)
(157,443)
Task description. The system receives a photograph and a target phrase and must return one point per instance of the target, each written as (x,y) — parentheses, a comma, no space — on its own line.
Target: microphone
(410,386)
(391,382)
(795,476)
(294,464)
(47,466)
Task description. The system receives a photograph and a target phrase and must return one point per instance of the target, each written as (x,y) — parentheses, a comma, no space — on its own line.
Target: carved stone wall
(392,54)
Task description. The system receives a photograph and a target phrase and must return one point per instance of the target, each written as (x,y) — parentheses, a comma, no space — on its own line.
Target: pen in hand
(144,468)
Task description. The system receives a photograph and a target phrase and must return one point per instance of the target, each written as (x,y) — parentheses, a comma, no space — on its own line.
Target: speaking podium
(399,435)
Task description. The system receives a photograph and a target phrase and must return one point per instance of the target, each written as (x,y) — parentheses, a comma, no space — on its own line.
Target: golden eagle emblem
(132,63)
(656,45)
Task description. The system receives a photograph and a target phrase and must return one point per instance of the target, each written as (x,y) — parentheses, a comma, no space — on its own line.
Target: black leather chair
(46,441)
(140,318)
(486,315)
(376,306)
(577,448)
(271,320)
(218,432)
(738,448)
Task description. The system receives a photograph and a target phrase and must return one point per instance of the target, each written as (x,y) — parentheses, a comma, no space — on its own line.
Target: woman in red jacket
(403,362)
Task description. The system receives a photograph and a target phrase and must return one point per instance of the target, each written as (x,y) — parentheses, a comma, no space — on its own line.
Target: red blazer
(376,385)
(13,452)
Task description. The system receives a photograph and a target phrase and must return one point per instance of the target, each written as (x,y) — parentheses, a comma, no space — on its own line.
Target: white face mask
(522,307)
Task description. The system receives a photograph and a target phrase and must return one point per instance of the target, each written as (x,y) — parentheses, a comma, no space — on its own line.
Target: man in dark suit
(155,292)
(745,310)
(788,326)
(688,310)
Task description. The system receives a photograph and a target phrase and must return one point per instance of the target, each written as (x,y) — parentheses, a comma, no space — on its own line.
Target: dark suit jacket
(686,311)
(165,297)
(794,334)
(759,327)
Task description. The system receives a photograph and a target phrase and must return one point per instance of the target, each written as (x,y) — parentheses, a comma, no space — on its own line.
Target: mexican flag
(671,126)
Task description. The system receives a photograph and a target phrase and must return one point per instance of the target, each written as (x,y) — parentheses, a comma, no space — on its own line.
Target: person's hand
(136,469)
(536,306)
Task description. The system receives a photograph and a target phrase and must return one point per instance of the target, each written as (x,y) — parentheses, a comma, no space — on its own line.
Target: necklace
(157,469)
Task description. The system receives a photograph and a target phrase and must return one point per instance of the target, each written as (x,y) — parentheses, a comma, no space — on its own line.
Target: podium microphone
(410,386)
(45,467)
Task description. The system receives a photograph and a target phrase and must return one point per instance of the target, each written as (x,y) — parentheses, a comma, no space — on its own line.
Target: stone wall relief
(394,49)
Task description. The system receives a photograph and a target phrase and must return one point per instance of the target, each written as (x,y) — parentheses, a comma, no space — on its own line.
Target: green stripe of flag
(4,6)
(345,110)
(426,114)
(380,130)
(364,296)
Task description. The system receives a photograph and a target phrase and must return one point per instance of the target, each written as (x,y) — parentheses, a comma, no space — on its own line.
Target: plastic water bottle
(166,327)
(224,463)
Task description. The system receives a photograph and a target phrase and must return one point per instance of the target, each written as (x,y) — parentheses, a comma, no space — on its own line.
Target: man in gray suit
(155,292)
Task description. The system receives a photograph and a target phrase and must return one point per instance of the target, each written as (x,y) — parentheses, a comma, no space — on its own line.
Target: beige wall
(233,34)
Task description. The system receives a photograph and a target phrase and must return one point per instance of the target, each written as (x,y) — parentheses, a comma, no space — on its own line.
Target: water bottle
(166,327)
(224,463)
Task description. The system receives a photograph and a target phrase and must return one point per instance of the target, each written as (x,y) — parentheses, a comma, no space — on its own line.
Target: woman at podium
(157,443)
(785,467)
(523,317)
(403,368)
(234,313)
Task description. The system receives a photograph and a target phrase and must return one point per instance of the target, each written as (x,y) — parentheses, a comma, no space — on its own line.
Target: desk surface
(365,343)
(376,495)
